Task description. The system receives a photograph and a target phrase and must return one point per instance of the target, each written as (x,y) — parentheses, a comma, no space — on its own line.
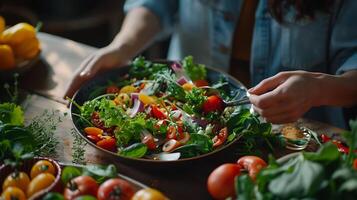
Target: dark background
(92,22)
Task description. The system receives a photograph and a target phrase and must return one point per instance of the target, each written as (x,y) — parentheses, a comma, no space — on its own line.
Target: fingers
(269,84)
(269,99)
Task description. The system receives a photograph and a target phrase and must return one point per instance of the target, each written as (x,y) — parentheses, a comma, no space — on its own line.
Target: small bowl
(20,68)
(26,166)
(298,143)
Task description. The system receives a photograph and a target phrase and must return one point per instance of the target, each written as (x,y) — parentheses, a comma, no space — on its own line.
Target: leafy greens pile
(326,174)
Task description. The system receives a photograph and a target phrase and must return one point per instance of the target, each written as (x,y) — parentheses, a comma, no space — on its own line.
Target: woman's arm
(287,96)
(139,28)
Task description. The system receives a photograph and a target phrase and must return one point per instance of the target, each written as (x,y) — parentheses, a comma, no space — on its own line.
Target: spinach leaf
(244,187)
(303,181)
(198,144)
(69,173)
(327,153)
(100,173)
(136,150)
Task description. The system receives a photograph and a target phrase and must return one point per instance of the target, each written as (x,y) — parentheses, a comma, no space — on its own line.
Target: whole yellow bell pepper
(18,34)
(7,58)
(28,49)
(2,24)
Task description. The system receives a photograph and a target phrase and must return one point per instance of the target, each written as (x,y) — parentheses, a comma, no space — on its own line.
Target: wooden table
(47,82)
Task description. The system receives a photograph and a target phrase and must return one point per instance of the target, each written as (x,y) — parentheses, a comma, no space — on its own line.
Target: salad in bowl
(161,110)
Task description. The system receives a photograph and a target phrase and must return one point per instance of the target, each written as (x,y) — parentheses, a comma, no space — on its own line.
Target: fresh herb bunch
(19,142)
(78,148)
(326,174)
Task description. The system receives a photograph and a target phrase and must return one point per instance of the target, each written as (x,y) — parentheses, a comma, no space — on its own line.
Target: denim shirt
(205,29)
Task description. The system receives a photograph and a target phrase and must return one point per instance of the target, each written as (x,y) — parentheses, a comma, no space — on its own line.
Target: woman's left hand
(286,96)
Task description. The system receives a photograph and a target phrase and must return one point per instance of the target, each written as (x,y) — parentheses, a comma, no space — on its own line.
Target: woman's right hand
(100,61)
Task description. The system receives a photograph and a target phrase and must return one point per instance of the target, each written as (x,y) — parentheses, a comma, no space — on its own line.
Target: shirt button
(224,49)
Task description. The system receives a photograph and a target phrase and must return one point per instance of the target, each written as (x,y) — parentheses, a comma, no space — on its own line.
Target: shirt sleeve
(165,10)
(344,38)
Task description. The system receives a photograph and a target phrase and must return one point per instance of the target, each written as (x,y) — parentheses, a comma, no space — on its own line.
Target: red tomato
(157,113)
(212,104)
(93,138)
(200,83)
(79,186)
(325,138)
(219,139)
(220,183)
(149,141)
(355,164)
(253,164)
(108,144)
(115,188)
(112,89)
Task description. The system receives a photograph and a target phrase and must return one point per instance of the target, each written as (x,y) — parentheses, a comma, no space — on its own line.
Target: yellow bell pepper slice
(18,34)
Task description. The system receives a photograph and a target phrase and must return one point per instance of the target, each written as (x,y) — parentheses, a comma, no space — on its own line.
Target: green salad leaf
(193,70)
(11,113)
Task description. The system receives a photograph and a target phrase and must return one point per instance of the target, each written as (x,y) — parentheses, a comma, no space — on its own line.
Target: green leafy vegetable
(100,173)
(136,150)
(193,70)
(142,68)
(11,113)
(69,173)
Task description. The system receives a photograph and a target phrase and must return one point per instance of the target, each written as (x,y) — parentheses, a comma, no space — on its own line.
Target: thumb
(268,84)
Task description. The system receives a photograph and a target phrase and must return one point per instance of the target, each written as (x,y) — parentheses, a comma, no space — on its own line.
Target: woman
(296,44)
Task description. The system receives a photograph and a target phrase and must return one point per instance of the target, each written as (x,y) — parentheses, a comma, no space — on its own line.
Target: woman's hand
(139,28)
(286,96)
(99,61)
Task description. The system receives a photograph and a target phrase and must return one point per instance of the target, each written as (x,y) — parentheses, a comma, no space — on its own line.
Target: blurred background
(92,22)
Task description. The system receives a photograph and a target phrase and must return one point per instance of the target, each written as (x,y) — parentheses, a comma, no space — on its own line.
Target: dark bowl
(26,166)
(82,95)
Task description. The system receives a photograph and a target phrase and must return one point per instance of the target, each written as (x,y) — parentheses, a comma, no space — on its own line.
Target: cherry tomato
(325,138)
(355,164)
(253,164)
(200,83)
(115,188)
(219,139)
(11,193)
(149,194)
(170,145)
(39,183)
(220,183)
(93,131)
(157,113)
(17,179)
(80,186)
(212,104)
(93,138)
(42,166)
(108,144)
(149,141)
(112,89)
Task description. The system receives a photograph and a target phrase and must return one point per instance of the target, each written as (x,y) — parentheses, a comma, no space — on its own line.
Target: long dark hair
(304,8)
